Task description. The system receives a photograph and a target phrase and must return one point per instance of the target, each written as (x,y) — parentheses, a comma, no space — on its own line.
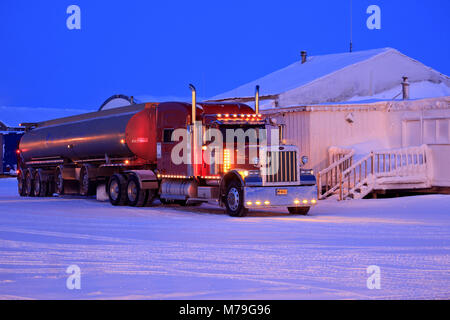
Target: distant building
(9,140)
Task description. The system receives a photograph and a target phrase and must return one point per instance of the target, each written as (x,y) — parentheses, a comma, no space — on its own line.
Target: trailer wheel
(40,186)
(234,200)
(59,182)
(299,210)
(87,187)
(117,190)
(28,184)
(21,184)
(136,196)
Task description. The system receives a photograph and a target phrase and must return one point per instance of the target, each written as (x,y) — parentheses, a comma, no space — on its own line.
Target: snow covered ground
(201,253)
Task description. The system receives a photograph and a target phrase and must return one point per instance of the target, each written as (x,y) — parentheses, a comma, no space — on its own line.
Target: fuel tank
(121,132)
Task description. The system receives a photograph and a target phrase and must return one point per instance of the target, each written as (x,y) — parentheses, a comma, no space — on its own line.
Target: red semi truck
(128,152)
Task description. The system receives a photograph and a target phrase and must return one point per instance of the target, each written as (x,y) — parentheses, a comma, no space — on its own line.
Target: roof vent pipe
(257,100)
(405,88)
(304,55)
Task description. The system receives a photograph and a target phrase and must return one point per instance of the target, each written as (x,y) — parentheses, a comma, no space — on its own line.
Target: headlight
(304,160)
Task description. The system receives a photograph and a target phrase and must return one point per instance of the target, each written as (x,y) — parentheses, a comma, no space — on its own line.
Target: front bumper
(280,196)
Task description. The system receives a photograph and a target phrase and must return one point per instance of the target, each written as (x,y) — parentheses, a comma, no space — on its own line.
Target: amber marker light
(226,160)
(296,201)
(122,141)
(127,162)
(249,203)
(267,202)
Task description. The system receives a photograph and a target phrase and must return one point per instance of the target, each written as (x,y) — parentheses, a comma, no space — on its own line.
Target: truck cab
(241,163)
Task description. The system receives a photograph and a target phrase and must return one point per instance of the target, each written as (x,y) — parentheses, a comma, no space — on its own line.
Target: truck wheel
(87,187)
(234,200)
(136,196)
(117,190)
(40,186)
(59,182)
(28,184)
(21,184)
(299,210)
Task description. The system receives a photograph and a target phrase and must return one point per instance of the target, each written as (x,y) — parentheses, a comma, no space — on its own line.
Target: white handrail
(399,162)
(332,173)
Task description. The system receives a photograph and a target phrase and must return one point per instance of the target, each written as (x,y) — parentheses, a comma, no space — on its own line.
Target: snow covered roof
(298,74)
(338,77)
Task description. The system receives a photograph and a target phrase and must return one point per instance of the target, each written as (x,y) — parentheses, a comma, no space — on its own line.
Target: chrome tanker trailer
(129,153)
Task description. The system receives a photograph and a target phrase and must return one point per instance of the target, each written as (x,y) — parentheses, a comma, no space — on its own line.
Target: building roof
(350,73)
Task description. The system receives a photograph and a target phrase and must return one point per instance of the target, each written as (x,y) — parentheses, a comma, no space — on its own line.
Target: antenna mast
(351,26)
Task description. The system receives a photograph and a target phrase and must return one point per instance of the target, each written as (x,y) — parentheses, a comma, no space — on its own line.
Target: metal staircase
(405,168)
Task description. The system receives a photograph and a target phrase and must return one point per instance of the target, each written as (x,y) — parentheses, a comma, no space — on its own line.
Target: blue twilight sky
(155,48)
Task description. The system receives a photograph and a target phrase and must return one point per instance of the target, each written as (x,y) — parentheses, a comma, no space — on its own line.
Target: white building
(339,108)
(371,74)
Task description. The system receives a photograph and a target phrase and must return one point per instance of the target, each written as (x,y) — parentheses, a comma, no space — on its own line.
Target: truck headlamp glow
(243,173)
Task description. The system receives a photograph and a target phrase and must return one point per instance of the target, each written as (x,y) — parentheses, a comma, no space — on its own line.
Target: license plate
(281,192)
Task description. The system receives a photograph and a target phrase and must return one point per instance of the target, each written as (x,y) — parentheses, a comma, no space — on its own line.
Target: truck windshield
(253,134)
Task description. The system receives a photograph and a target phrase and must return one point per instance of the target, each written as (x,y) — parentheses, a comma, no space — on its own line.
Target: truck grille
(284,168)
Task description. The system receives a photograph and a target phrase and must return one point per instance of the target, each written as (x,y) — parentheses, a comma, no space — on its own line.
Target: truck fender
(231,175)
(147,178)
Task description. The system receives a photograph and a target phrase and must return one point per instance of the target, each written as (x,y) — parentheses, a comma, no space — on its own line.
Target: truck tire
(87,187)
(29,184)
(59,181)
(234,200)
(136,196)
(299,210)
(40,185)
(21,184)
(117,190)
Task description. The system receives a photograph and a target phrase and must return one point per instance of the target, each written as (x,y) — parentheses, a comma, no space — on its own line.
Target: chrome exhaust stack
(194,156)
(257,99)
